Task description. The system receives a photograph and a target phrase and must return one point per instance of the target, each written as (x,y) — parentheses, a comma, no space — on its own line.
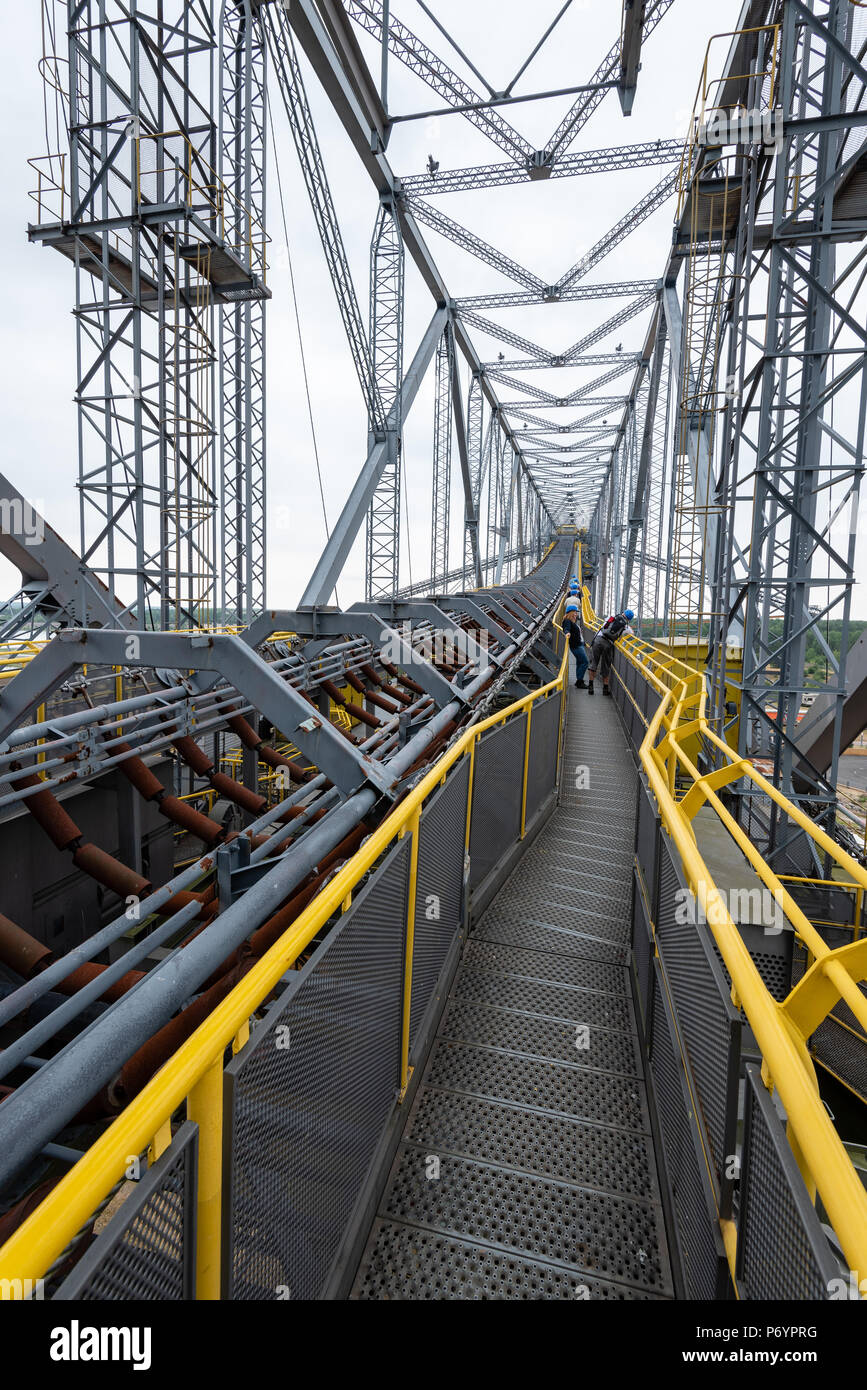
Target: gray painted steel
(783,1252)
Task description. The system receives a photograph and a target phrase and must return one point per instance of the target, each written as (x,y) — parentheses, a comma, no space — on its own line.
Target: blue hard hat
(571,608)
(629,615)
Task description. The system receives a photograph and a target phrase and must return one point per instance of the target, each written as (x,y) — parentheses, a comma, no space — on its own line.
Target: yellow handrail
(192,1074)
(781,1029)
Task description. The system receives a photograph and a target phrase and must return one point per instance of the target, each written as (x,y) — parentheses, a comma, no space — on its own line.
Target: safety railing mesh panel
(839,1043)
(308,1099)
(782,1250)
(646,838)
(147,1249)
(822,903)
(544,739)
(642,950)
(689,1197)
(842,1050)
(439,887)
(498,781)
(707,1021)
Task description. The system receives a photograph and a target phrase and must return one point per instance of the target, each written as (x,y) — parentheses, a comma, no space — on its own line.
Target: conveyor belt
(526,1168)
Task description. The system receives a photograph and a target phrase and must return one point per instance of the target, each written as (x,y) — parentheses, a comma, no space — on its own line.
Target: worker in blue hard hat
(604,643)
(575,634)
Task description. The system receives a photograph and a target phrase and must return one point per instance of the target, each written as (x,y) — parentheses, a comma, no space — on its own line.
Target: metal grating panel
(552,1147)
(772,956)
(838,1043)
(843,1052)
(647,837)
(519,929)
(544,738)
(709,1026)
(309,1096)
(498,777)
(439,887)
(824,904)
(541,965)
(543,1085)
(539,1037)
(782,1250)
(594,1231)
(408,1263)
(700,1255)
(642,953)
(148,1248)
(563,1002)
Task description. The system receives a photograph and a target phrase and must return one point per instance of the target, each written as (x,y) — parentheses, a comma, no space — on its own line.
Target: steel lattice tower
(382,570)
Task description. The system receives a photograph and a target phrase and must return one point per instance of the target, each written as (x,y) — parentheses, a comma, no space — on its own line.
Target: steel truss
(382,569)
(799,444)
(442,459)
(243,142)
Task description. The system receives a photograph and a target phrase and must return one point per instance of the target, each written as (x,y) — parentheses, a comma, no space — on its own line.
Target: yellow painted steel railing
(781,1028)
(195,1073)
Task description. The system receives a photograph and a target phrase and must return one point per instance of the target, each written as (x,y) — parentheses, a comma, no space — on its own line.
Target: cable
(300,335)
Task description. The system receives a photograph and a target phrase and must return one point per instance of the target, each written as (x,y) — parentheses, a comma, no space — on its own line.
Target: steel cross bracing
(800,447)
(346,96)
(195,347)
(395,38)
(759,450)
(140,221)
(567,166)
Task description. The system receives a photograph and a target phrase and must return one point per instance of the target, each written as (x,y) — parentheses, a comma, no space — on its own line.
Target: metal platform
(526,1168)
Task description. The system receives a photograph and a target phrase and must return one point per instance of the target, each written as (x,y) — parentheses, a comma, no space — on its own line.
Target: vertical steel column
(809,458)
(442,459)
(387,261)
(475,444)
(242,139)
(142,158)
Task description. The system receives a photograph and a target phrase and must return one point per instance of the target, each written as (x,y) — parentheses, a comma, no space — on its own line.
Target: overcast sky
(546,226)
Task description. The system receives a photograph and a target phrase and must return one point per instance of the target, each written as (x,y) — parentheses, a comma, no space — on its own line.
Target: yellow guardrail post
(413,830)
(526,772)
(40,719)
(205,1108)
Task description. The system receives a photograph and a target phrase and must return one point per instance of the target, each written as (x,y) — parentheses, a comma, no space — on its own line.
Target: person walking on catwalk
(604,643)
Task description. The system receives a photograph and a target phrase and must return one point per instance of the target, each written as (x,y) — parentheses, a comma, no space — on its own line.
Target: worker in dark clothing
(573,631)
(603,647)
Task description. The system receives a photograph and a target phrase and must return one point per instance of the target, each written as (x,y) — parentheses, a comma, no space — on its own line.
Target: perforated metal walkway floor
(526,1168)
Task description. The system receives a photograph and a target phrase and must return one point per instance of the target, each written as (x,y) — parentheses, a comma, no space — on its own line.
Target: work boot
(606,690)
(580,685)
(590,688)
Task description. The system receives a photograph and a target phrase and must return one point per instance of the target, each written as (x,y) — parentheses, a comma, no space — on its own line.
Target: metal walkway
(526,1168)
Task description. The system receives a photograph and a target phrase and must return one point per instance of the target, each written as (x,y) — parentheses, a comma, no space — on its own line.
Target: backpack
(613,627)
